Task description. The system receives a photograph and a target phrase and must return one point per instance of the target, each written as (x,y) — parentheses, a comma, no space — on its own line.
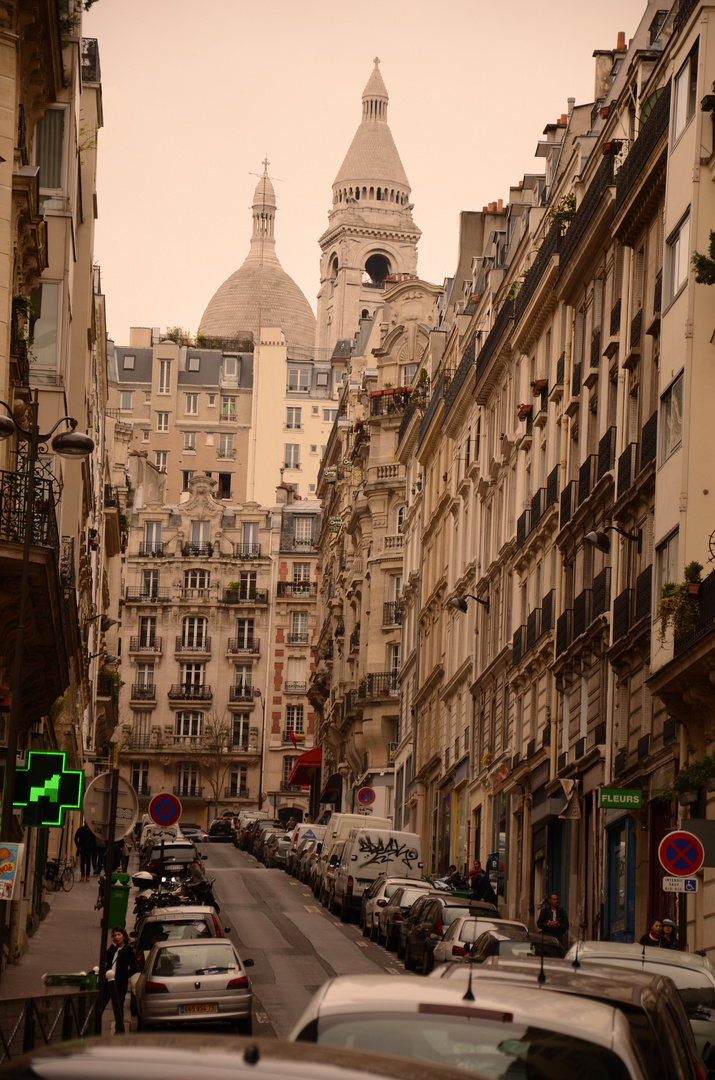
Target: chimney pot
(621,43)
(563,119)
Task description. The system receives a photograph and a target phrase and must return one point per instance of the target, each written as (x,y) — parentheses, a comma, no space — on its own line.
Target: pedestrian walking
(86,844)
(654,935)
(481,886)
(553,919)
(669,940)
(124,853)
(121,960)
(100,855)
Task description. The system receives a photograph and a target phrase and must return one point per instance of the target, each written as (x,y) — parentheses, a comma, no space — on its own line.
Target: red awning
(302,773)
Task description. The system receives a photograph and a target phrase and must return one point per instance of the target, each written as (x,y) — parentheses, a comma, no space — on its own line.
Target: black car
(513,941)
(222,829)
(410,920)
(431,923)
(385,927)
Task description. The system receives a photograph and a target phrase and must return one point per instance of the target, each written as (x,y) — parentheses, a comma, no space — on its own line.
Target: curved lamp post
(602,541)
(460,602)
(69,444)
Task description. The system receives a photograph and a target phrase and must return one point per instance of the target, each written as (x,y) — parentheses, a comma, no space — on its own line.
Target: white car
(196,980)
(377,896)
(462,934)
(693,975)
(500,1031)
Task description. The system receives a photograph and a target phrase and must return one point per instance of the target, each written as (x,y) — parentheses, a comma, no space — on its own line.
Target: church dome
(260,293)
(372,156)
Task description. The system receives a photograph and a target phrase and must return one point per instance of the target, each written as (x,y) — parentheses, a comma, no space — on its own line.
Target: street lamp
(70,444)
(600,539)
(460,602)
(258,694)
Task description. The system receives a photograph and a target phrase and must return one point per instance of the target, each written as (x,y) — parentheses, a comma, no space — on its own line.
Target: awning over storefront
(333,789)
(301,773)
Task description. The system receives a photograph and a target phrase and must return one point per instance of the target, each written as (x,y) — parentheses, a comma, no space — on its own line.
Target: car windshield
(451,913)
(176,930)
(409,896)
(475,1039)
(182,854)
(207,960)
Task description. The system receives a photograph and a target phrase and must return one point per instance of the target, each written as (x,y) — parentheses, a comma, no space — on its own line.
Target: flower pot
(687,798)
(693,588)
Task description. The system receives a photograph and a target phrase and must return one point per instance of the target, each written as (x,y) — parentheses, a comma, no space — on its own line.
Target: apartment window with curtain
(294,719)
(49,143)
(44,324)
(294,418)
(240,732)
(189,725)
(165,376)
(667,565)
(225,446)
(298,628)
(161,458)
(162,421)
(192,404)
(671,418)
(238,782)
(685,95)
(190,440)
(228,408)
(187,776)
(292,456)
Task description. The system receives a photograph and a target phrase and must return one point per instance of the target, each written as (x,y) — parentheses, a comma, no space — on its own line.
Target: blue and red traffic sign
(366,796)
(681,853)
(165,809)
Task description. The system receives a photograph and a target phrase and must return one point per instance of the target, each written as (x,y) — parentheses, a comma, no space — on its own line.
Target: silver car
(462,934)
(198,980)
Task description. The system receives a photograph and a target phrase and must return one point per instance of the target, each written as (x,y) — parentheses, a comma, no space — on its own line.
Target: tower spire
(375,96)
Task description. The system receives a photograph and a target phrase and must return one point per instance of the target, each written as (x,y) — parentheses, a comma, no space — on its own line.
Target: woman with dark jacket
(120,959)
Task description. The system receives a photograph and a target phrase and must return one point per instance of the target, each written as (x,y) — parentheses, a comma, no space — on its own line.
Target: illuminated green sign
(45,789)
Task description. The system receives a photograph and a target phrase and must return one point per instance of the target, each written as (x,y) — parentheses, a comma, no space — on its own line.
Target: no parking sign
(366,796)
(681,853)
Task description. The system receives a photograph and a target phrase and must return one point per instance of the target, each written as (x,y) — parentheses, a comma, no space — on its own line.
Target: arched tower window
(364,314)
(334,266)
(379,195)
(378,267)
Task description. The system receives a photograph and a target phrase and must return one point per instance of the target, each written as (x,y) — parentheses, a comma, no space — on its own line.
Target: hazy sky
(196,94)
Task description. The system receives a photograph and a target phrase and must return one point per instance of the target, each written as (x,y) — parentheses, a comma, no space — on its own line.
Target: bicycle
(59,873)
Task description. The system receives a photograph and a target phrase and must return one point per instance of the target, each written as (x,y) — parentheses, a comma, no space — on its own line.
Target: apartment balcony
(295,687)
(601,593)
(285,786)
(649,136)
(241,646)
(143,693)
(202,550)
(350,704)
(187,792)
(137,594)
(644,593)
(389,402)
(297,590)
(538,505)
(235,793)
(195,594)
(153,548)
(190,692)
(564,631)
(391,614)
(547,611)
(627,469)
(202,646)
(240,746)
(581,612)
(248,596)
(225,455)
(587,477)
(706,617)
(246,551)
(241,693)
(622,614)
(523,528)
(145,645)
(379,684)
(143,791)
(606,453)
(518,644)
(286,736)
(355,640)
(552,489)
(649,441)
(144,741)
(297,639)
(533,628)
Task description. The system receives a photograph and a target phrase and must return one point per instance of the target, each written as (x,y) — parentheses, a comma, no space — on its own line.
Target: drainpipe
(563,462)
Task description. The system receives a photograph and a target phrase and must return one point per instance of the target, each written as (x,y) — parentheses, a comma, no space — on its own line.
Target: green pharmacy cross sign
(45,789)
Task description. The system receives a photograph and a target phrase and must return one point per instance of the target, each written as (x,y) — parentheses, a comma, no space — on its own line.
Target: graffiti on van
(381,852)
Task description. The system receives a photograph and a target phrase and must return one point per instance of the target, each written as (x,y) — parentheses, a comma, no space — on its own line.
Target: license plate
(208,1008)
(173,866)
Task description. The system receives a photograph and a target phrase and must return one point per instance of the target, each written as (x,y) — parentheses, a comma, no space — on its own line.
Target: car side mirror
(248,963)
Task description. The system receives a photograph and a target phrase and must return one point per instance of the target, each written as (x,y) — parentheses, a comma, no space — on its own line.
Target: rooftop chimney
(621,42)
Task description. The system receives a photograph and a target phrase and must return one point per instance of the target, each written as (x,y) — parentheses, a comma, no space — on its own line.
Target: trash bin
(119,899)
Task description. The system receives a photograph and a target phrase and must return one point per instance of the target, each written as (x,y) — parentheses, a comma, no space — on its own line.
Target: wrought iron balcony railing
(235,793)
(190,692)
(142,644)
(300,638)
(252,646)
(246,551)
(297,590)
(13,503)
(245,596)
(137,594)
(151,547)
(295,687)
(241,692)
(379,684)
(203,549)
(202,645)
(143,692)
(189,791)
(391,614)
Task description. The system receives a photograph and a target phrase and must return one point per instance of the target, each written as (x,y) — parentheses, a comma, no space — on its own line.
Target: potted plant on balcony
(678,605)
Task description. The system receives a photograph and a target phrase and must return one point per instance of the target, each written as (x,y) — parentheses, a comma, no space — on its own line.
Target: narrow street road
(295,944)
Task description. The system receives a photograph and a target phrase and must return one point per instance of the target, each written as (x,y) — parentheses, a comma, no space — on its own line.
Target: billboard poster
(10,865)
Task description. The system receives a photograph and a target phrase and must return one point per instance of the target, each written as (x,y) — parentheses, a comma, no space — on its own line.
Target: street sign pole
(107,886)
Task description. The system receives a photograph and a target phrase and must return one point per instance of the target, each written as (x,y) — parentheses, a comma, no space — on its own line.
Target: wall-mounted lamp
(600,540)
(109,658)
(105,623)
(460,602)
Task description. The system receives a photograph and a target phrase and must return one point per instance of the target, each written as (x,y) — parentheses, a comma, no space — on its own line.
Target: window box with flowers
(487,758)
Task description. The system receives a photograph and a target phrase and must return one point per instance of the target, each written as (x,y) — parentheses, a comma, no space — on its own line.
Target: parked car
(377,895)
(174,924)
(222,829)
(410,919)
(275,850)
(261,842)
(256,834)
(501,1030)
(173,857)
(461,935)
(430,925)
(244,819)
(369,853)
(693,974)
(306,859)
(194,981)
(650,1003)
(339,827)
(514,941)
(331,870)
(194,833)
(385,928)
(304,831)
(204,1057)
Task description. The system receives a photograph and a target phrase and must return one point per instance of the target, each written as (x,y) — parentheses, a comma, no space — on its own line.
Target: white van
(368,854)
(338,828)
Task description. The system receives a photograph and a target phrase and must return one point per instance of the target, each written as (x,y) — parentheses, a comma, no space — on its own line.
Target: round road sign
(165,809)
(96,803)
(681,853)
(366,796)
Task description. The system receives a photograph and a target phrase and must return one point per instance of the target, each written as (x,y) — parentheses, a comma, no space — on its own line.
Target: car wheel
(331,903)
(427,963)
(324,898)
(374,930)
(409,962)
(390,942)
(132,1005)
(344,912)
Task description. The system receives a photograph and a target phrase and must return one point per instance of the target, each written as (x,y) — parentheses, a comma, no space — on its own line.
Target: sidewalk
(66,941)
